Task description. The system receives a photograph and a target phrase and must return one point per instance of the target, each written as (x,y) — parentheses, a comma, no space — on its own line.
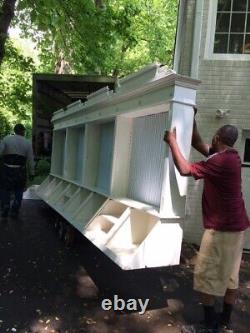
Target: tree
(95,36)
(102,37)
(108,37)
(15,92)
(6,15)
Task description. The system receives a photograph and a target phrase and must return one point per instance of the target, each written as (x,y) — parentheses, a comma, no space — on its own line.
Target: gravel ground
(47,287)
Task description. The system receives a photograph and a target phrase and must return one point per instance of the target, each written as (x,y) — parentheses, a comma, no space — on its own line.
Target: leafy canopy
(109,37)
(16,88)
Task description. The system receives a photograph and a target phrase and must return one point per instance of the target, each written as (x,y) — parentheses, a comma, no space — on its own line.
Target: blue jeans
(16,204)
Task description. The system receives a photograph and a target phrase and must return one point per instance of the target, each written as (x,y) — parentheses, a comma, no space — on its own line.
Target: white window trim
(209,47)
(245,135)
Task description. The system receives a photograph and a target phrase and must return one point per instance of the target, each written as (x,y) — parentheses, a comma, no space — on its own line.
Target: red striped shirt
(223,206)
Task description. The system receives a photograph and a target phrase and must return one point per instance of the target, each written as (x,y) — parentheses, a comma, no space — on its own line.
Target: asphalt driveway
(48,287)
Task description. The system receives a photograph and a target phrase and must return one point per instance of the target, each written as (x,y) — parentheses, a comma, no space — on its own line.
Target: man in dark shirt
(224,218)
(16,152)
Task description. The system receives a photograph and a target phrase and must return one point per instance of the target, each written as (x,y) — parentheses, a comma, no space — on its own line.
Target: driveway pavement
(47,287)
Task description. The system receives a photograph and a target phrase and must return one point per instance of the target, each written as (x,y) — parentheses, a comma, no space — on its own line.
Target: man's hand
(182,165)
(170,137)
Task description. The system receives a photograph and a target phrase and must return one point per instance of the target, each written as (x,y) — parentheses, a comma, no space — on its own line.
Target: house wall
(225,85)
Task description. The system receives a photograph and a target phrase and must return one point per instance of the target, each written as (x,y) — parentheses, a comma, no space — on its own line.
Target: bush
(42,167)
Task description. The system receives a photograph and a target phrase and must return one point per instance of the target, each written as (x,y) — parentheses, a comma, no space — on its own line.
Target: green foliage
(41,172)
(15,93)
(43,167)
(108,37)
(116,38)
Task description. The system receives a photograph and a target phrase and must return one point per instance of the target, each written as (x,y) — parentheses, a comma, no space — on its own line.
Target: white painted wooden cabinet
(112,176)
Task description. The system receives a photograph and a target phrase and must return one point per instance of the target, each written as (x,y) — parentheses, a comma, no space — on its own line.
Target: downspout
(179,35)
(197,39)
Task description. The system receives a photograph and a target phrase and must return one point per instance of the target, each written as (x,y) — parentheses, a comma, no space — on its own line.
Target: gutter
(197,39)
(179,34)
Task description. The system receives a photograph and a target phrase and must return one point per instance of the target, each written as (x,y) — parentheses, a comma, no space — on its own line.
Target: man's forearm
(198,143)
(180,162)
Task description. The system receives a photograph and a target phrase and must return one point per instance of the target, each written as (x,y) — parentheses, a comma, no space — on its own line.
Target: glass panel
(247,151)
(247,44)
(236,43)
(248,23)
(224,5)
(220,43)
(105,156)
(238,22)
(239,5)
(222,24)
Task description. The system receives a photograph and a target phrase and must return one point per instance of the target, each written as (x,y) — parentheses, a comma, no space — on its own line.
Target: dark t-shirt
(222,203)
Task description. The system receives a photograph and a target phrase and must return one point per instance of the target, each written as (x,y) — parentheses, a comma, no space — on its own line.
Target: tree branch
(124,49)
(6,15)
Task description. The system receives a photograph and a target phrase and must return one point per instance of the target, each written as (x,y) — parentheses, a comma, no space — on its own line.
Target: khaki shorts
(218,262)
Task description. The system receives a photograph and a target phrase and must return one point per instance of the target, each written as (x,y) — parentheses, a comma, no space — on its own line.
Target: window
(232,31)
(245,147)
(246,158)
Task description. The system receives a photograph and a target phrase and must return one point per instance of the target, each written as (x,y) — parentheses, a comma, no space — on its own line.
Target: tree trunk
(99,4)
(6,15)
(62,66)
